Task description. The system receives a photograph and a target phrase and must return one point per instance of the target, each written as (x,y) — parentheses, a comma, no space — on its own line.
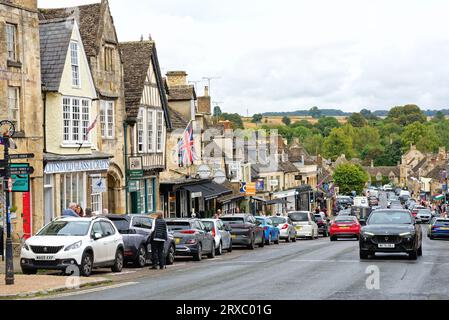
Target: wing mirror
(228,227)
(97,236)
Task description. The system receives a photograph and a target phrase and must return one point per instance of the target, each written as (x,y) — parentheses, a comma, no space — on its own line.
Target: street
(307,269)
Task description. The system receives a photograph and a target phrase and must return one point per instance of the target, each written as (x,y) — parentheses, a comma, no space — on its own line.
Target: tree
(350,177)
(303,123)
(286,120)
(406,115)
(357,120)
(257,118)
(314,144)
(439,116)
(366,136)
(315,113)
(391,155)
(217,112)
(368,115)
(338,143)
(234,118)
(326,124)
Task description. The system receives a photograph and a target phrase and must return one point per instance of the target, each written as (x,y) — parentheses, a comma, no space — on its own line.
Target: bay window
(76,119)
(107,119)
(150,131)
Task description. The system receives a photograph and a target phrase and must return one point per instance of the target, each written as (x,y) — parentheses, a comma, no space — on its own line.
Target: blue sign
(21,183)
(260,185)
(243,187)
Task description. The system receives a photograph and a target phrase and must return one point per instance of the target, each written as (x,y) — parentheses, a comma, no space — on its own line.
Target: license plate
(177,240)
(386,246)
(298,228)
(233,236)
(45,258)
(444,228)
(344,227)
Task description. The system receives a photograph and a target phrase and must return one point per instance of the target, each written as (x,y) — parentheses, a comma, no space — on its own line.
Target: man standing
(158,238)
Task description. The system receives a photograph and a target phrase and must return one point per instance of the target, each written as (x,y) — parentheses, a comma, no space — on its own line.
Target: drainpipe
(44,100)
(125,128)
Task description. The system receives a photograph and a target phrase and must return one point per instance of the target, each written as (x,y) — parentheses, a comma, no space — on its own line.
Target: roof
(385,171)
(436,173)
(419,165)
(177,120)
(136,57)
(54,42)
(87,16)
(181,93)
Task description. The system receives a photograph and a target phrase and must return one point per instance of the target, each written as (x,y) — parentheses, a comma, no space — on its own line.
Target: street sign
(135,167)
(196,195)
(251,189)
(260,185)
(99,185)
(243,187)
(21,156)
(21,171)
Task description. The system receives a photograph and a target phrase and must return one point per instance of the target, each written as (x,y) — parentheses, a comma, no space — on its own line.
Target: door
(27,215)
(206,244)
(98,246)
(225,235)
(110,240)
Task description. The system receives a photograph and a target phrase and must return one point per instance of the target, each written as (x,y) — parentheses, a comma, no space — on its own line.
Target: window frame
(107,111)
(150,131)
(17,97)
(8,27)
(82,118)
(76,81)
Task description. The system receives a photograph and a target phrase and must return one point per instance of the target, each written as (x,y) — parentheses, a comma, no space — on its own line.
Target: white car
(71,244)
(305,224)
(286,228)
(221,234)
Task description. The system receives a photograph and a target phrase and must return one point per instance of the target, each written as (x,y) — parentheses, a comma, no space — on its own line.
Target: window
(150,193)
(107,119)
(160,128)
(150,131)
(13,105)
(75,64)
(108,229)
(140,131)
(76,118)
(97,203)
(11,41)
(108,59)
(96,228)
(73,189)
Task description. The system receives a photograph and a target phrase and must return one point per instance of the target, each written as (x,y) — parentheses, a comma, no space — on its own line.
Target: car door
(99,245)
(207,238)
(225,235)
(314,224)
(146,227)
(110,239)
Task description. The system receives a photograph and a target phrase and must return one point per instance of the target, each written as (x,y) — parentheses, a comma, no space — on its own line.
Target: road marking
(119,285)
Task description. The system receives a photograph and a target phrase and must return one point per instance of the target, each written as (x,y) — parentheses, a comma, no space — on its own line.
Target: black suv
(391,231)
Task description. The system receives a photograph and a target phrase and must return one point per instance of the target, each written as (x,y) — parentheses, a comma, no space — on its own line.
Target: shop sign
(133,186)
(99,185)
(76,166)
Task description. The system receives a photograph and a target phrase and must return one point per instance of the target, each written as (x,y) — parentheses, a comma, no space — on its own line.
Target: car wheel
(170,256)
(118,263)
(199,255)
(87,263)
(364,254)
(141,259)
(333,239)
(27,271)
(211,255)
(413,255)
(219,251)
(431,237)
(252,244)
(230,246)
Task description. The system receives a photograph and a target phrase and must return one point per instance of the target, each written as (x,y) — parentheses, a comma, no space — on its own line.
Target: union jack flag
(186,147)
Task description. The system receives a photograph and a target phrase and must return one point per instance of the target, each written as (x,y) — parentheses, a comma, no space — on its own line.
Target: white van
(361,202)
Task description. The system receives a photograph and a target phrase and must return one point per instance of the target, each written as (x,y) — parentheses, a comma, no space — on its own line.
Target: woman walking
(158,238)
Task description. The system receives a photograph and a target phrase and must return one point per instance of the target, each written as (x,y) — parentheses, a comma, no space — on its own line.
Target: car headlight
(405,234)
(368,234)
(25,246)
(74,246)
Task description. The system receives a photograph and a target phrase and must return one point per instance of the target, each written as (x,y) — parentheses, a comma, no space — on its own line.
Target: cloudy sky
(285,55)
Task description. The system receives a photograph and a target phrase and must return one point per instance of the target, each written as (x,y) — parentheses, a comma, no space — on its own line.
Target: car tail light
(214,232)
(188,231)
(285,226)
(434,227)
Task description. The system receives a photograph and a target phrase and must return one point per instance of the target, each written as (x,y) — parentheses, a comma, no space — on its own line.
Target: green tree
(425,137)
(439,116)
(357,120)
(315,113)
(338,143)
(257,118)
(368,115)
(406,115)
(366,136)
(314,144)
(303,123)
(286,120)
(235,119)
(350,177)
(391,155)
(326,124)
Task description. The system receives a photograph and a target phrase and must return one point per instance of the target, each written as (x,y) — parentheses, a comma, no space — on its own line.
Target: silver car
(286,228)
(221,234)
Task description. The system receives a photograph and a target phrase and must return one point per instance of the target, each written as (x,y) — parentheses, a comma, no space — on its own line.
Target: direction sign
(22,171)
(21,156)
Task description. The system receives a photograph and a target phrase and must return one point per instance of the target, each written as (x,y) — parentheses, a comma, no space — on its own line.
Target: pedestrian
(71,211)
(217,214)
(79,211)
(157,240)
(105,212)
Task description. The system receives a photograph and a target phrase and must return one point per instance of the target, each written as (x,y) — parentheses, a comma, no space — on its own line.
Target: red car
(345,227)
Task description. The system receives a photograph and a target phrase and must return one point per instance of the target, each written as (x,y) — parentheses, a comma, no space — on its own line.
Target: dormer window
(74,55)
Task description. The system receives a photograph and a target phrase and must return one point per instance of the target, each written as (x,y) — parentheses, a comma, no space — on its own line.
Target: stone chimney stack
(28,4)
(205,102)
(176,78)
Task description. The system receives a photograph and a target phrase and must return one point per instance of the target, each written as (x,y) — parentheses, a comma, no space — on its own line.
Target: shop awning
(209,191)
(231,198)
(258,199)
(278,201)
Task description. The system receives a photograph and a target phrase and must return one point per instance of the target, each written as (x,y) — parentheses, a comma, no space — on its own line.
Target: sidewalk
(29,286)
(16,262)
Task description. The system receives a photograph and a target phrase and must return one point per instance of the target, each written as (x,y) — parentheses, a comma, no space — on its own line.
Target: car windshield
(277,220)
(122,225)
(66,229)
(344,220)
(233,220)
(209,224)
(390,217)
(299,216)
(178,225)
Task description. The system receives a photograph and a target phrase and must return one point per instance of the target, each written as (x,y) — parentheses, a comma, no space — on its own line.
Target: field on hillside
(277,120)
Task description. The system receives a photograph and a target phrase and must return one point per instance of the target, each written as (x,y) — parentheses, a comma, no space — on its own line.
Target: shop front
(81,180)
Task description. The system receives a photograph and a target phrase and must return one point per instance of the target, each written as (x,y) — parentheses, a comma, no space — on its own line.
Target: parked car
(439,228)
(136,231)
(305,224)
(286,228)
(345,227)
(64,243)
(323,225)
(391,231)
(424,215)
(271,233)
(245,230)
(192,238)
(221,234)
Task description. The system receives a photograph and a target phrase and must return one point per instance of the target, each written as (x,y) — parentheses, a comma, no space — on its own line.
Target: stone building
(101,45)
(21,102)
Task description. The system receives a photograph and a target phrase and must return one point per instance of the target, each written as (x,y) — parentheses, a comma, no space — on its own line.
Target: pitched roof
(288,167)
(420,165)
(436,173)
(181,93)
(177,120)
(385,171)
(54,42)
(136,57)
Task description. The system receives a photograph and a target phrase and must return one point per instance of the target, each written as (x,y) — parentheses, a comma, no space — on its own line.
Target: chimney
(176,78)
(206,91)
(205,102)
(226,125)
(28,4)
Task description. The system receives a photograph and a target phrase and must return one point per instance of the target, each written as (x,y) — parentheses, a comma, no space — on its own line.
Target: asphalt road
(309,269)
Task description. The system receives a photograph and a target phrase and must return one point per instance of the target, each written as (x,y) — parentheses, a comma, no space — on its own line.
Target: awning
(209,191)
(278,201)
(231,198)
(258,199)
